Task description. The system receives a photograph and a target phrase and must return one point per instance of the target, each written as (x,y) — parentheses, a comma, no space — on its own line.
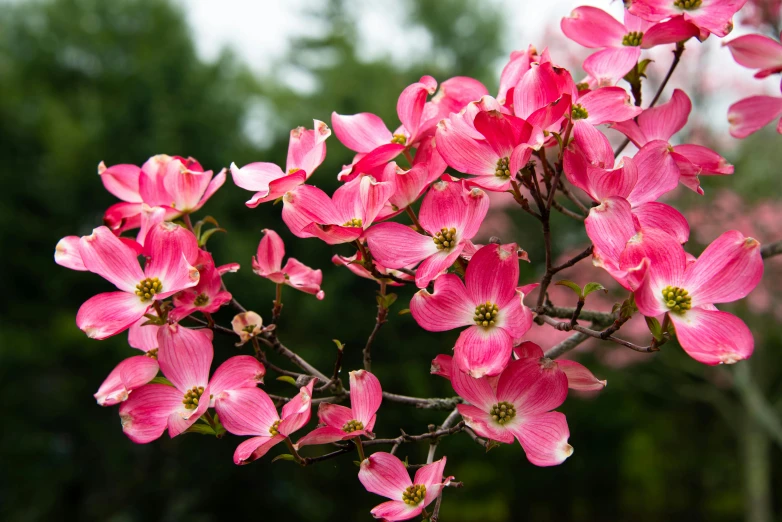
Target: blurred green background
(88,80)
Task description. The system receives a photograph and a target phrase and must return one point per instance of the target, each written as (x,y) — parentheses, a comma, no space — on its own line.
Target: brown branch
(771,250)
(552,270)
(566,327)
(404,437)
(380,320)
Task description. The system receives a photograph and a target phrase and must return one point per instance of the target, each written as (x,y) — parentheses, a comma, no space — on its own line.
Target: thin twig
(380,320)
(771,250)
(566,327)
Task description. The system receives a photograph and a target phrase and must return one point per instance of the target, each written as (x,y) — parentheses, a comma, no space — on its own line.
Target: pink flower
(518,404)
(667,283)
(714,16)
(366,133)
(355,264)
(494,149)
(756,51)
(541,87)
(409,184)
(621,43)
(169,248)
(487,302)
(306,151)
(751,114)
(309,212)
(384,474)
(604,105)
(268,263)
(128,375)
(451,214)
(341,423)
(247,325)
(256,415)
(208,295)
(518,64)
(185,357)
(652,132)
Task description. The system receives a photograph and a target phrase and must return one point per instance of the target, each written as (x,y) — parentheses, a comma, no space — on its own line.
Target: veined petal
(143,337)
(104,254)
(665,120)
(544,438)
(128,375)
(431,476)
(752,114)
(444,206)
(256,176)
(483,351)
(463,152)
(373,195)
(447,308)
(255,448)
(677,29)
(247,411)
(609,66)
(410,105)
(542,85)
(185,356)
(593,27)
(663,217)
(303,278)
(657,172)
(240,371)
(593,144)
(271,250)
(187,187)
(384,474)
(617,182)
(408,184)
(365,395)
(756,51)
(296,412)
(360,132)
(436,264)
(528,350)
(67,254)
(713,337)
(481,422)
(307,148)
(324,435)
(334,415)
(442,365)
(608,105)
(533,386)
(610,225)
(477,391)
(122,181)
(493,274)
(305,205)
(729,269)
(171,250)
(394,510)
(108,314)
(396,246)
(579,377)
(144,415)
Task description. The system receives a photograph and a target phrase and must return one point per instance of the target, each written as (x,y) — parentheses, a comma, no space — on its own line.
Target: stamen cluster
(579,112)
(399,139)
(486,314)
(152,354)
(354,222)
(274,428)
(413,495)
(632,39)
(148,287)
(192,396)
(445,238)
(677,299)
(201,300)
(503,412)
(687,4)
(352,426)
(503,168)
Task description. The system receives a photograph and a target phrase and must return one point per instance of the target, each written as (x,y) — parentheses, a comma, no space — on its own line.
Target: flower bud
(247,325)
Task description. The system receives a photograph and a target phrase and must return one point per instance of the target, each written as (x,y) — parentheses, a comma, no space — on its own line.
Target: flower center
(503,168)
(579,112)
(486,314)
(632,39)
(191,397)
(291,171)
(688,5)
(354,222)
(152,354)
(399,139)
(352,426)
(445,239)
(414,495)
(273,429)
(201,300)
(502,412)
(677,299)
(147,288)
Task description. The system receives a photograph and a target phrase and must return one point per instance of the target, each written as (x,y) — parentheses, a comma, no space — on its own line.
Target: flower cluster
(540,142)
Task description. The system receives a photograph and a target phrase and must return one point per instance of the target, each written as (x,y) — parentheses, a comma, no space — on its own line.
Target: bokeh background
(88,80)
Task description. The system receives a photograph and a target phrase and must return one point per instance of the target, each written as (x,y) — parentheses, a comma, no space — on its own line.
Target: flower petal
(394,510)
(663,217)
(609,66)
(108,314)
(247,411)
(431,476)
(396,246)
(271,250)
(481,422)
(296,412)
(447,308)
(240,371)
(360,132)
(128,375)
(307,148)
(335,415)
(67,254)
(579,377)
(593,27)
(122,181)
(384,474)
(752,114)
(410,105)
(185,356)
(144,415)
(713,337)
(544,438)
(172,250)
(255,448)
(493,274)
(365,395)
(532,386)
(323,435)
(657,172)
(104,254)
(665,120)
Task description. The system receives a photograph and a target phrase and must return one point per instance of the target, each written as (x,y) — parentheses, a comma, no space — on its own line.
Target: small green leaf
(277,200)
(357,463)
(628,307)
(389,300)
(284,456)
(206,235)
(287,378)
(340,346)
(491,445)
(573,286)
(161,380)
(593,287)
(404,311)
(655,328)
(203,429)
(642,65)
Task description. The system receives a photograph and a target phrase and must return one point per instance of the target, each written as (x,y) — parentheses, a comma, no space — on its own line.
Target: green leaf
(203,429)
(161,380)
(642,65)
(340,346)
(655,328)
(593,287)
(628,307)
(573,286)
(206,235)
(491,445)
(404,311)
(284,456)
(389,300)
(287,378)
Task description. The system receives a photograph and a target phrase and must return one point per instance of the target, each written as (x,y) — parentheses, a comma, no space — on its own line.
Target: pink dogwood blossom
(267,263)
(167,272)
(208,296)
(487,302)
(256,415)
(751,114)
(247,325)
(306,151)
(518,405)
(341,423)
(714,16)
(384,474)
(451,214)
(355,264)
(757,51)
(686,292)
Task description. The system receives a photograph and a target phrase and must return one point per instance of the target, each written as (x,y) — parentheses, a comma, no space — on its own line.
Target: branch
(566,327)
(274,343)
(380,320)
(771,250)
(552,270)
(566,345)
(404,437)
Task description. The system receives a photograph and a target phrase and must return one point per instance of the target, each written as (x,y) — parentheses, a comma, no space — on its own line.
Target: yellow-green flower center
(414,495)
(273,430)
(354,222)
(352,426)
(152,354)
(291,171)
(201,300)
(503,168)
(688,5)
(579,112)
(192,396)
(632,39)
(399,139)
(677,299)
(502,412)
(147,288)
(445,239)
(486,314)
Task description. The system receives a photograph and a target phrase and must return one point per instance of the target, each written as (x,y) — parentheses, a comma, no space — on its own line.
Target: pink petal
(483,351)
(396,246)
(516,67)
(631,129)
(108,314)
(677,29)
(247,411)
(657,172)
(663,217)
(150,218)
(296,412)
(271,250)
(365,395)
(394,510)
(373,196)
(360,132)
(608,183)
(449,204)
(755,51)
(593,27)
(410,105)
(729,269)
(128,375)
(144,415)
(187,187)
(67,254)
(384,474)
(122,181)
(609,66)
(708,161)
(171,250)
(610,225)
(533,386)
(240,371)
(324,435)
(579,377)
(185,356)
(713,337)
(447,308)
(255,448)
(752,114)
(542,85)
(305,205)
(181,419)
(217,182)
(665,120)
(544,438)
(454,94)
(303,278)
(608,105)
(462,152)
(431,476)
(104,254)
(435,265)
(307,148)
(408,184)
(143,337)
(374,159)
(504,132)
(476,391)
(515,318)
(493,274)
(335,415)
(593,144)
(528,350)
(481,422)
(442,365)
